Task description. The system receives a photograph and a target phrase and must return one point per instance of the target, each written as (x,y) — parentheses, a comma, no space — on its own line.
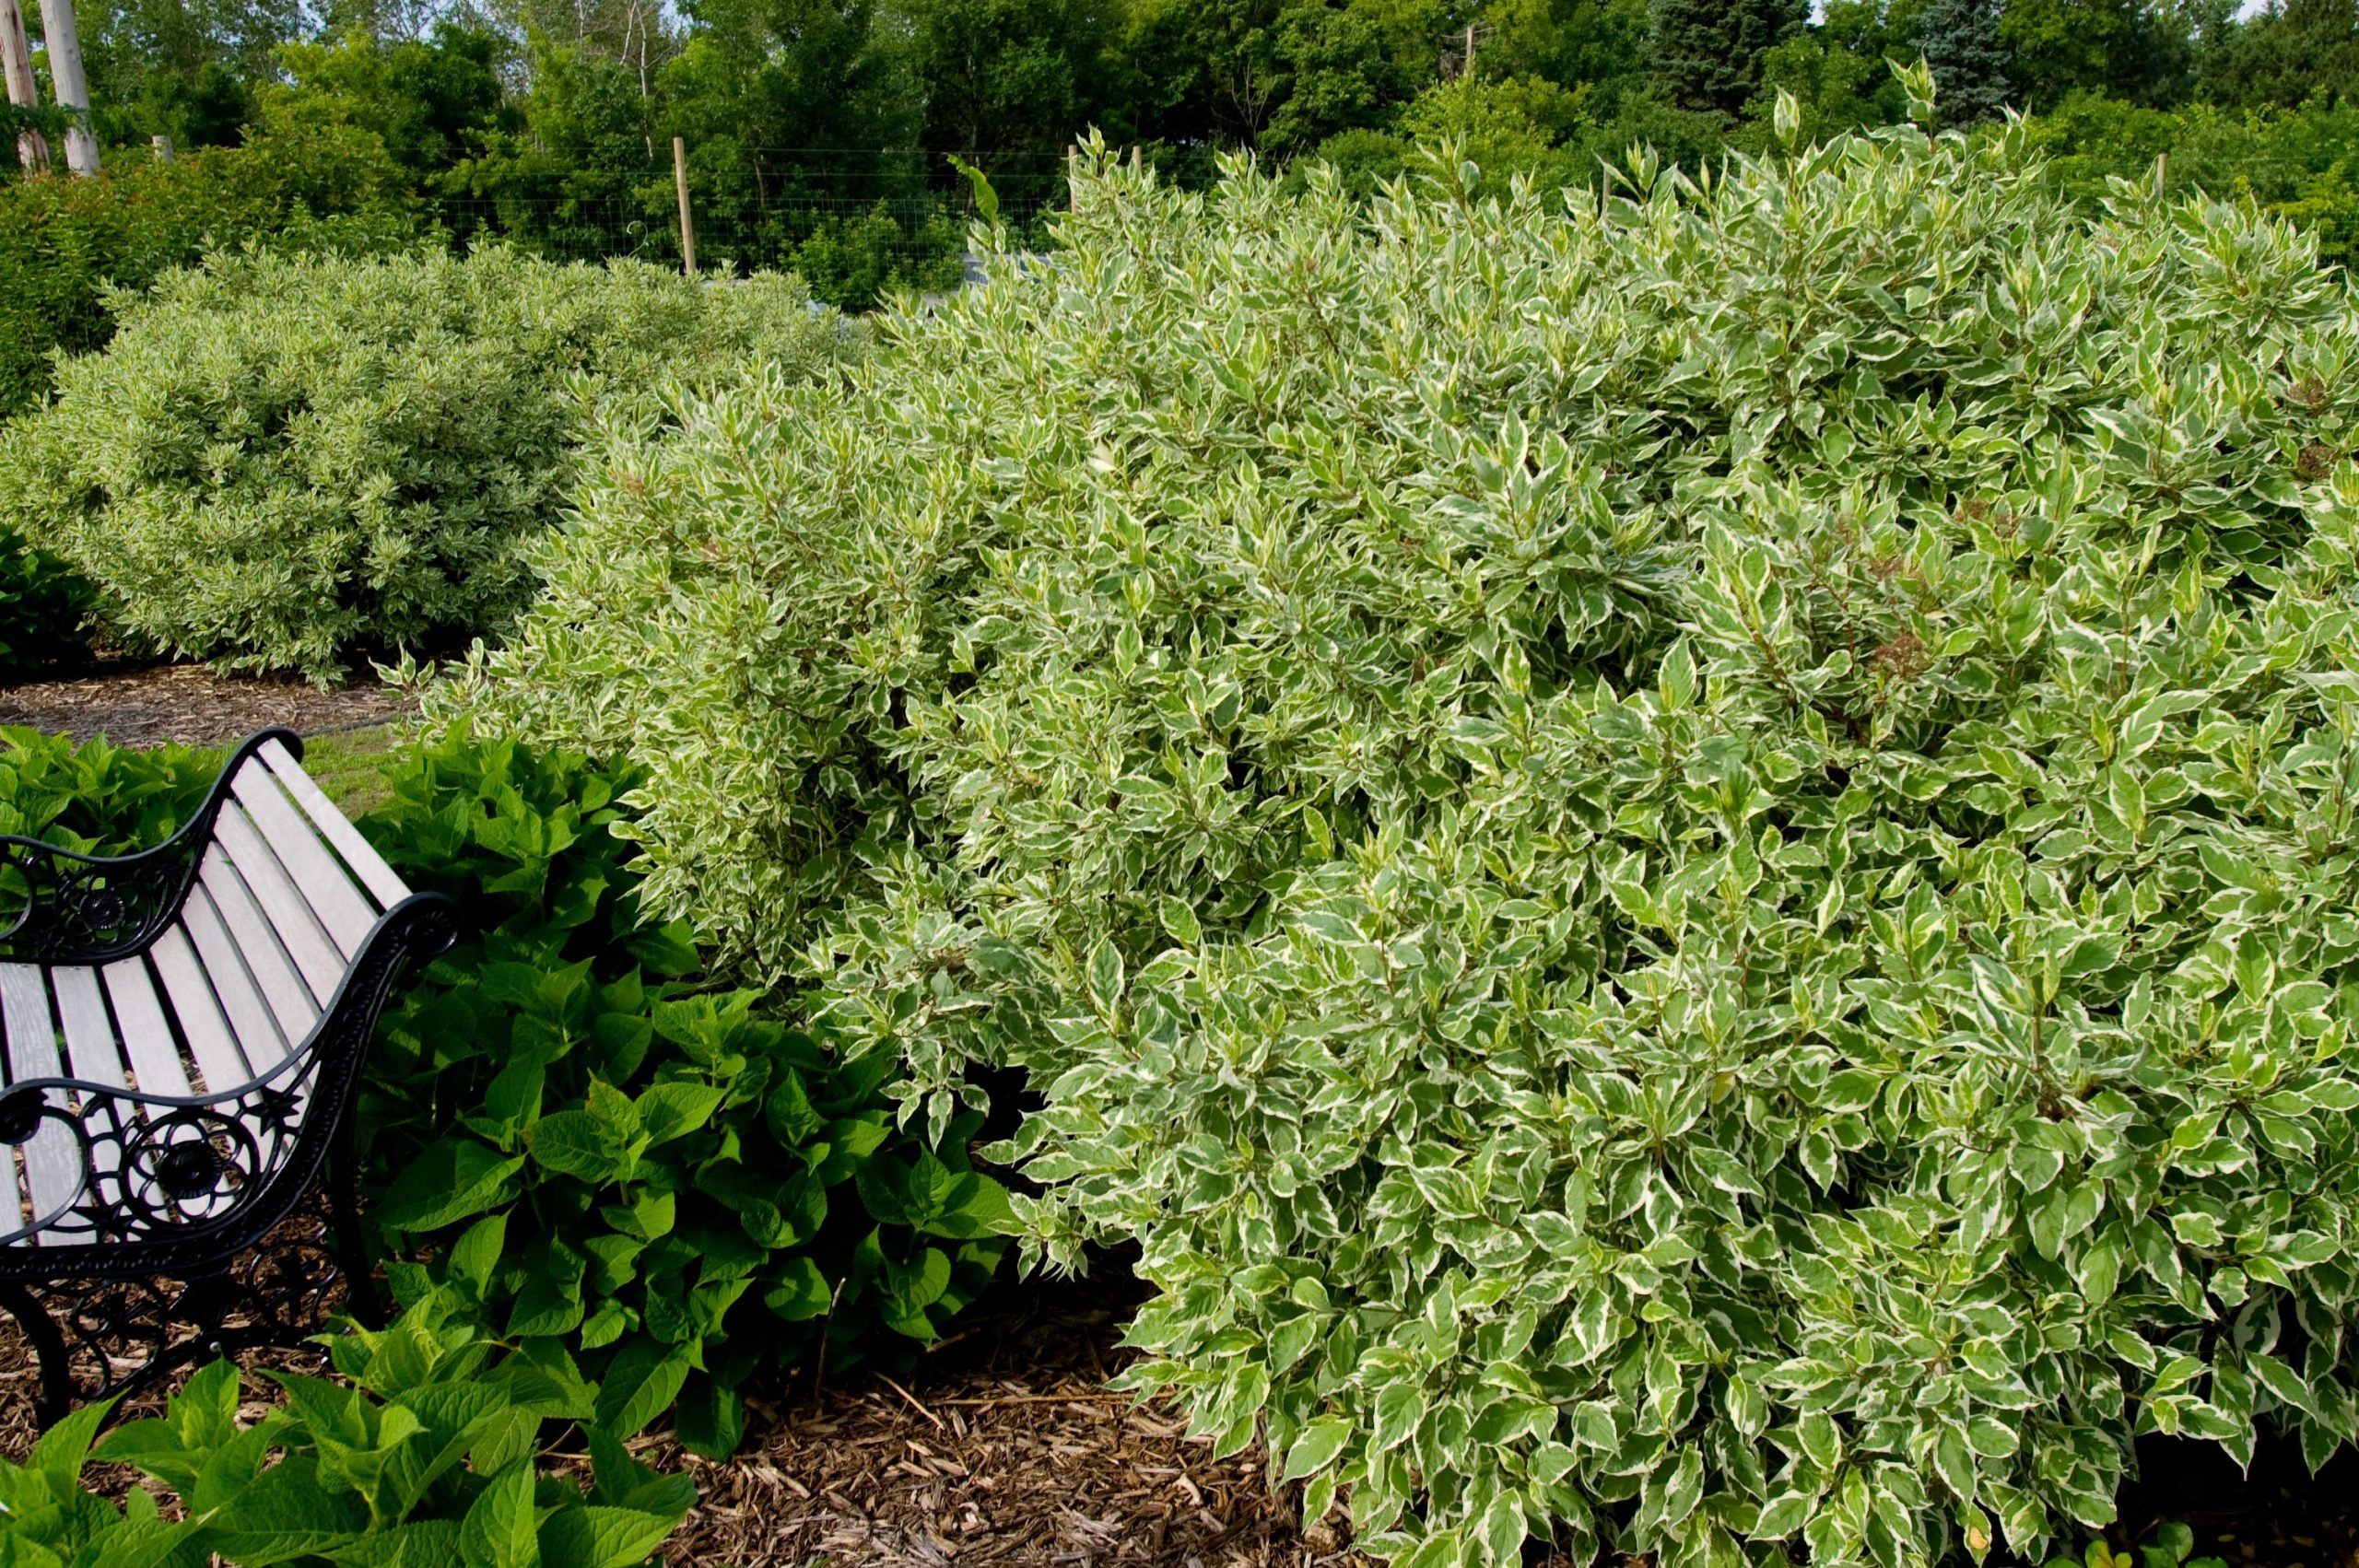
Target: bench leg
(351,1250)
(56,1367)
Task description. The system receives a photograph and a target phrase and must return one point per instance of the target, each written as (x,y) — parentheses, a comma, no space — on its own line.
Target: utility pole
(72,90)
(17,60)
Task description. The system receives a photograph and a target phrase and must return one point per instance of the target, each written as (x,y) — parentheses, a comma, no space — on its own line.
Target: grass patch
(348,765)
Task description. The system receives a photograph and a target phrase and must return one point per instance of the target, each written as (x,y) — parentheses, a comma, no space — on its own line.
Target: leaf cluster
(575,1133)
(424,1450)
(95,798)
(43,605)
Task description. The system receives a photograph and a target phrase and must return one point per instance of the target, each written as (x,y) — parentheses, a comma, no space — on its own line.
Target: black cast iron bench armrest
(81,908)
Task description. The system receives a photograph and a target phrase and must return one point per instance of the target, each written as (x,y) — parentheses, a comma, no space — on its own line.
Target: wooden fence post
(687,229)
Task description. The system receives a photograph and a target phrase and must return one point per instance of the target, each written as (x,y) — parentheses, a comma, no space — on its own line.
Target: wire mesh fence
(855,224)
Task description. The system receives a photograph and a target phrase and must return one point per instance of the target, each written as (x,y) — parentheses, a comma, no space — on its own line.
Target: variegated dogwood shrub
(283,461)
(1684,859)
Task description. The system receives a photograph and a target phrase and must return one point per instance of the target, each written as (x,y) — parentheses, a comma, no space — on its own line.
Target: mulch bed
(1002,1447)
(146,705)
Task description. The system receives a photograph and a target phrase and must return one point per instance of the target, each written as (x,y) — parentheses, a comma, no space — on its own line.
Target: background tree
(2121,48)
(1960,39)
(1200,74)
(1708,54)
(1004,77)
(2292,51)
(179,68)
(1352,64)
(1600,45)
(431,103)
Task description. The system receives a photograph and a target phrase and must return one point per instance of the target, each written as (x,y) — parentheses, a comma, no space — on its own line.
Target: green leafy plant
(280,460)
(47,1520)
(605,1154)
(1682,862)
(96,798)
(424,1448)
(2170,1547)
(43,604)
(856,262)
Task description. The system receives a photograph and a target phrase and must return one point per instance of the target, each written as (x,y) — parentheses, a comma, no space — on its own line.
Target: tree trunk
(63,45)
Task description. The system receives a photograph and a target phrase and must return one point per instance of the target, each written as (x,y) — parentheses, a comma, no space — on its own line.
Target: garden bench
(185,1032)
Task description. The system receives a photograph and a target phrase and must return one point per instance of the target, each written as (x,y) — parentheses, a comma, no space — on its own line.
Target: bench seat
(183,1030)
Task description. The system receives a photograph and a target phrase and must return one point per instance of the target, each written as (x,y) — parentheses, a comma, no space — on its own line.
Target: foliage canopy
(1685,861)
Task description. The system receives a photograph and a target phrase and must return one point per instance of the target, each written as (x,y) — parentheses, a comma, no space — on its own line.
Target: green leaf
(578,1145)
(1317,1447)
(1179,921)
(455,1178)
(670,1110)
(640,1385)
(709,1419)
(1400,1407)
(597,1537)
(1105,976)
(499,1527)
(477,1252)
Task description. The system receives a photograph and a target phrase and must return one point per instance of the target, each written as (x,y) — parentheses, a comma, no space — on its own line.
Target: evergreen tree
(1708,52)
(2285,54)
(1960,39)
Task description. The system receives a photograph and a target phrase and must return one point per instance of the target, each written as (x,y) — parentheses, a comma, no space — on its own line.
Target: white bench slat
(155,1056)
(369,866)
(199,1011)
(267,959)
(89,1043)
(306,941)
(53,1168)
(341,907)
(258,1040)
(208,981)
(89,1034)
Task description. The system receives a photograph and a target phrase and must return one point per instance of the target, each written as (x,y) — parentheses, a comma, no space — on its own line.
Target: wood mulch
(1002,1446)
(137,704)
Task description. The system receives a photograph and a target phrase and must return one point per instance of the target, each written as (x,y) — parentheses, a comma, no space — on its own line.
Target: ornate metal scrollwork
(156,1170)
(99,1336)
(78,907)
(179,1242)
